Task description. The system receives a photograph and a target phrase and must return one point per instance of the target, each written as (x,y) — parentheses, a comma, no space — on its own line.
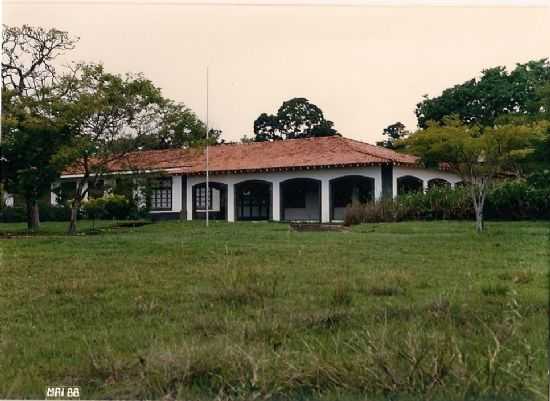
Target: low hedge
(47,213)
(506,200)
(108,207)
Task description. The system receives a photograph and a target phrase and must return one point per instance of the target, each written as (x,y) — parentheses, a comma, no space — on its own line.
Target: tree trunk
(35,218)
(28,210)
(72,222)
(33,214)
(479,204)
(79,195)
(479,219)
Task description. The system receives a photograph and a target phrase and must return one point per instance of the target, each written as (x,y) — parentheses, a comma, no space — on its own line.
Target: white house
(301,179)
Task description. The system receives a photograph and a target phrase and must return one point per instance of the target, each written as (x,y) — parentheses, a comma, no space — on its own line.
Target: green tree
(497,92)
(266,128)
(29,144)
(477,158)
(174,126)
(541,155)
(32,129)
(104,112)
(296,118)
(393,133)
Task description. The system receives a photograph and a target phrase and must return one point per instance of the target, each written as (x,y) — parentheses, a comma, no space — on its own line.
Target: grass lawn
(419,310)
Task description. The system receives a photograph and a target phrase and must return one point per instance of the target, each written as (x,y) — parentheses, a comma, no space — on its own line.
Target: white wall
(7,199)
(324,175)
(176,193)
(53,196)
(275,178)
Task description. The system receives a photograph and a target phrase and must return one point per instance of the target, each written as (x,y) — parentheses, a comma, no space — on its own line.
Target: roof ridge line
(346,141)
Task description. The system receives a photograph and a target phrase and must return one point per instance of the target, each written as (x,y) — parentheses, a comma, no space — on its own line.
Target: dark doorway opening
(348,190)
(301,199)
(253,200)
(409,184)
(438,183)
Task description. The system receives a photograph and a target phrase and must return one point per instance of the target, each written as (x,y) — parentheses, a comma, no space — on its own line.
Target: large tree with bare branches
(29,57)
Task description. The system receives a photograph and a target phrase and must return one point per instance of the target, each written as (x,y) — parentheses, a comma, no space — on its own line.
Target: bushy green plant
(126,186)
(108,207)
(438,203)
(506,200)
(54,213)
(47,213)
(539,179)
(94,208)
(519,199)
(117,207)
(13,215)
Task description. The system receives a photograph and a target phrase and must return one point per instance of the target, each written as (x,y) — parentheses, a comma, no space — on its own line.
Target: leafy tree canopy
(483,100)
(296,118)
(175,126)
(105,113)
(28,147)
(477,158)
(393,134)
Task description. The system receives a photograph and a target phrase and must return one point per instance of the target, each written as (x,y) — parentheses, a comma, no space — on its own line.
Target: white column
(325,201)
(189,200)
(84,188)
(276,201)
(53,196)
(425,185)
(176,193)
(378,185)
(8,200)
(394,184)
(231,202)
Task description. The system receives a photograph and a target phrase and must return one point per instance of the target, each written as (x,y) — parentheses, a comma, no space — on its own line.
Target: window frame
(161,194)
(200,198)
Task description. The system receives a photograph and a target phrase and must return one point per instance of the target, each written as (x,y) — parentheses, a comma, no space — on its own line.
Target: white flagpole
(207,183)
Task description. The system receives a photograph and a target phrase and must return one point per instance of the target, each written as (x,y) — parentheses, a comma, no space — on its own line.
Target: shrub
(518,199)
(108,207)
(117,207)
(54,213)
(13,214)
(47,213)
(126,187)
(94,208)
(510,199)
(373,212)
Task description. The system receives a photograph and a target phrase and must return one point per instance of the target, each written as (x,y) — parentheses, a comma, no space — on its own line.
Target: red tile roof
(295,154)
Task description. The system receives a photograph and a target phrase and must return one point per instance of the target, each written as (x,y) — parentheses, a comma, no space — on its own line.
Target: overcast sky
(366,67)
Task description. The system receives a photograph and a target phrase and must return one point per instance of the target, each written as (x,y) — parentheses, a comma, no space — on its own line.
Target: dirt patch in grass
(318,227)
